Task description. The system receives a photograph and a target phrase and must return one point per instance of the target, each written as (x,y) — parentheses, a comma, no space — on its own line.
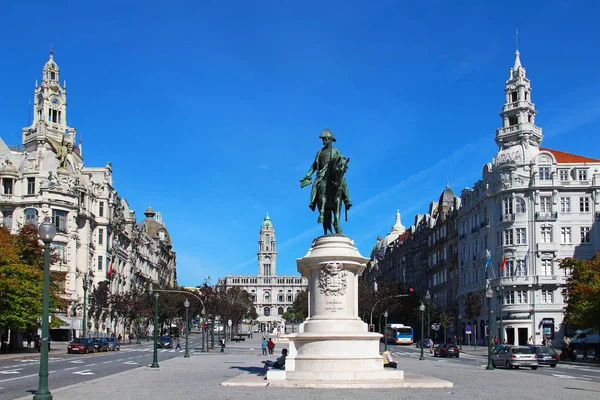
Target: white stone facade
(533,207)
(272,295)
(97,233)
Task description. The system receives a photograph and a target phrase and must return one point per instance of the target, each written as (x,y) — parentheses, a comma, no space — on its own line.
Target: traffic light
(411,291)
(371,328)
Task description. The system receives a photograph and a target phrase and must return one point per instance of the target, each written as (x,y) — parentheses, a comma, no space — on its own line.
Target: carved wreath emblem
(332,280)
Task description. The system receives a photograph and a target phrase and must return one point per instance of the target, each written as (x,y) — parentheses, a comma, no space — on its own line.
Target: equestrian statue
(329,188)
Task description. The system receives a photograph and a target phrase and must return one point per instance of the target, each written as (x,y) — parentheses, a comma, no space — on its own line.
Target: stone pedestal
(334,343)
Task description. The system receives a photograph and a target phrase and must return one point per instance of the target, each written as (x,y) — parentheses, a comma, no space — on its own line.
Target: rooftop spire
(517,61)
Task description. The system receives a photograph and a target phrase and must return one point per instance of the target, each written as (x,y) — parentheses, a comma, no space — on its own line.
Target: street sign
(468,329)
(229,323)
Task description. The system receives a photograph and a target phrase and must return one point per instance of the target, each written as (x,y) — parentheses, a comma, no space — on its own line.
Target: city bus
(398,334)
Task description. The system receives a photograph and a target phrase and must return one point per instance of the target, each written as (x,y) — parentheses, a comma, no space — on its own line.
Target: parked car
(101,344)
(546,356)
(446,350)
(165,342)
(427,343)
(515,357)
(81,345)
(113,344)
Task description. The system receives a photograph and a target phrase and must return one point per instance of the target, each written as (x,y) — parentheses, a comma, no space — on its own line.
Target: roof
(267,222)
(568,158)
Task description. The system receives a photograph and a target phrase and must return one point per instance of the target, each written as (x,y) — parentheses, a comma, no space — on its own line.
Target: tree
(234,304)
(99,303)
(582,292)
(300,306)
(473,307)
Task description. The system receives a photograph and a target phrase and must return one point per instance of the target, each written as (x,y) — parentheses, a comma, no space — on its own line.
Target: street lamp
(460,331)
(47,231)
(85,288)
(155,357)
(186,303)
(428,298)
(489,293)
(500,295)
(422,308)
(385,339)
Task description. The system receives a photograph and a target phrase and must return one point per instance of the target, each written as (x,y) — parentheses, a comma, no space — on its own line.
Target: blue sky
(210,111)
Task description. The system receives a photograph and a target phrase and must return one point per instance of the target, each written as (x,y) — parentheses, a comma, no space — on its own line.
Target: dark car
(546,356)
(446,350)
(165,342)
(101,344)
(113,344)
(81,345)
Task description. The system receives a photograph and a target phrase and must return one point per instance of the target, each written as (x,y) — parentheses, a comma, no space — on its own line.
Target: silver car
(515,357)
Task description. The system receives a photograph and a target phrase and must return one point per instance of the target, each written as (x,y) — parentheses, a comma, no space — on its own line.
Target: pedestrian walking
(271,346)
(264,346)
(222,343)
(177,344)
(29,338)
(584,348)
(530,341)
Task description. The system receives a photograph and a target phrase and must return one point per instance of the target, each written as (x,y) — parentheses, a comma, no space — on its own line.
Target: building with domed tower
(98,238)
(272,294)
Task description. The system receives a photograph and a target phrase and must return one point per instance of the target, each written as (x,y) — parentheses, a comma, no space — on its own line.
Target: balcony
(484,224)
(546,216)
(507,217)
(547,247)
(527,127)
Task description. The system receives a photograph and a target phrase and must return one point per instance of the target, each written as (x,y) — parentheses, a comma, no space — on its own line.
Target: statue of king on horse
(329,188)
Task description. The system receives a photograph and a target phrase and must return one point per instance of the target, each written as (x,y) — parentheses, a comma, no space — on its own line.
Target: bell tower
(49,109)
(518,112)
(267,250)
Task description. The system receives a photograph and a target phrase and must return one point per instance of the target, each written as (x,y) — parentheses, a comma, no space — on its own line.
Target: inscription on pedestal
(332,280)
(333,306)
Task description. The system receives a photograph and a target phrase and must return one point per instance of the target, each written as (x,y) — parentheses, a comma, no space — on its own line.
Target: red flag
(110,271)
(503,263)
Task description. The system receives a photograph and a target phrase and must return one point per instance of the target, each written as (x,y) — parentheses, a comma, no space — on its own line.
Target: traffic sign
(468,329)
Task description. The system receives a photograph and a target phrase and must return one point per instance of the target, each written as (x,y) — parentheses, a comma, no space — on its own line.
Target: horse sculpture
(329,195)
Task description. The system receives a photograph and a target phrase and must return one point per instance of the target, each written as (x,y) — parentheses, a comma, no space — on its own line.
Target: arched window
(31,216)
(267,297)
(520,205)
(289,309)
(267,311)
(280,311)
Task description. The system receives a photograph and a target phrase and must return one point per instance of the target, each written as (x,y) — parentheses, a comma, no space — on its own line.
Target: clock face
(55,100)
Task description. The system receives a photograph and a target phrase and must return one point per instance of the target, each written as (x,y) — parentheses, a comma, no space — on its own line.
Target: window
(547,297)
(99,263)
(545,174)
(509,267)
(280,311)
(267,269)
(513,96)
(31,216)
(290,298)
(546,204)
(585,234)
(564,174)
(7,183)
(509,297)
(546,234)
(507,206)
(499,239)
(512,121)
(267,297)
(60,251)
(289,309)
(7,219)
(521,297)
(520,269)
(584,204)
(508,237)
(59,217)
(520,205)
(101,209)
(546,267)
(30,185)
(521,235)
(565,204)
(100,236)
(267,311)
(582,175)
(280,298)
(565,235)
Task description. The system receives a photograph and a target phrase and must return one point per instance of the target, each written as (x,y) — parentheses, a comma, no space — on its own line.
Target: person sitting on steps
(388,361)
(279,363)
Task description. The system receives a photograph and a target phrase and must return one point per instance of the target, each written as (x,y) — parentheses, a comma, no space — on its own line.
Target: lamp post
(47,231)
(489,293)
(85,287)
(186,303)
(422,308)
(155,357)
(500,295)
(385,339)
(460,331)
(428,298)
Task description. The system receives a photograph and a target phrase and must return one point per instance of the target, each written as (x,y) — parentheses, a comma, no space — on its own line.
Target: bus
(398,334)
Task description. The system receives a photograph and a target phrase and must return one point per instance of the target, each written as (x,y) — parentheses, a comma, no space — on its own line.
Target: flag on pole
(488,260)
(503,263)
(110,271)
(525,262)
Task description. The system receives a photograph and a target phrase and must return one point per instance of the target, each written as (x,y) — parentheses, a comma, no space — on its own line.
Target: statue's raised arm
(329,187)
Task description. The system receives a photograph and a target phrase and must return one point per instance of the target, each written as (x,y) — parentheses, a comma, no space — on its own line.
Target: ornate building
(97,234)
(532,207)
(272,295)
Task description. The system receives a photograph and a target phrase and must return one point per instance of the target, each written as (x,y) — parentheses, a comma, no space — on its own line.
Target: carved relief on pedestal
(332,279)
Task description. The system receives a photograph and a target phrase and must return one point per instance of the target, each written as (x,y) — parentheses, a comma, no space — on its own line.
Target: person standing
(264,346)
(271,346)
(177,344)
(29,339)
(222,343)
(530,341)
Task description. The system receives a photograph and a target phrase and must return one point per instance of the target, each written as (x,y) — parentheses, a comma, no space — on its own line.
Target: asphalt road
(19,376)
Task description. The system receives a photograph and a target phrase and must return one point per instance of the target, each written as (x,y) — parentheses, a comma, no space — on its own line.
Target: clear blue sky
(210,111)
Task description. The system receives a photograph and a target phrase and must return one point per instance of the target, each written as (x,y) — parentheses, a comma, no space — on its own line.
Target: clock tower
(49,110)
(267,252)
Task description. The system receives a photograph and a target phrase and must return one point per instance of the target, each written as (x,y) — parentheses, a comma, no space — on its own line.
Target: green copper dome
(267,222)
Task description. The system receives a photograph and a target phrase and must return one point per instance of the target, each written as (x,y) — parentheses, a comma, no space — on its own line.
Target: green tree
(582,292)
(234,304)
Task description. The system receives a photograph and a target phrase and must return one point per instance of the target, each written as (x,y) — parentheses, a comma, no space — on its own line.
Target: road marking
(70,368)
(89,365)
(107,362)
(120,359)
(22,377)
(76,361)
(11,371)
(564,376)
(130,363)
(84,372)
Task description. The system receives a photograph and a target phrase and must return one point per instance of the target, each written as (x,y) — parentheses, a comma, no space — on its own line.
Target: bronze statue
(329,188)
